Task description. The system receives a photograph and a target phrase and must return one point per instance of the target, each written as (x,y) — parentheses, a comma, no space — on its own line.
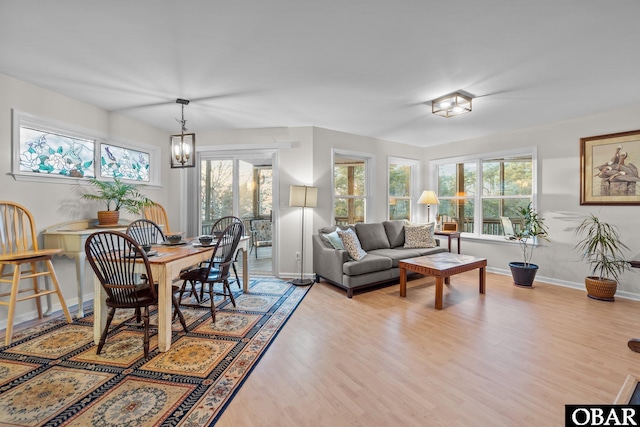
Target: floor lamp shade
(302,196)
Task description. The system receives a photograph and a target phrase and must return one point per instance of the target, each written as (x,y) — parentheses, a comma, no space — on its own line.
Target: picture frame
(608,169)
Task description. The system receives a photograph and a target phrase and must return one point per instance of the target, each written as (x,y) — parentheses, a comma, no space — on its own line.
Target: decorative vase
(523,274)
(108,218)
(602,289)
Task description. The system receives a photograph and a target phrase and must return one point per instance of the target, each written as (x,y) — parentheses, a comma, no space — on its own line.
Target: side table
(450,235)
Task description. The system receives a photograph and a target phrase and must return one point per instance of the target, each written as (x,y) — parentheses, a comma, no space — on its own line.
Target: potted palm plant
(116,195)
(603,250)
(533,228)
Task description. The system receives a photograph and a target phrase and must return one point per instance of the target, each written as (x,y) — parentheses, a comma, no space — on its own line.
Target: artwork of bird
(614,160)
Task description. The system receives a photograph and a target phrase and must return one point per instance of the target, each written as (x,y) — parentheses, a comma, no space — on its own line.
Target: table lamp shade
(302,196)
(428,197)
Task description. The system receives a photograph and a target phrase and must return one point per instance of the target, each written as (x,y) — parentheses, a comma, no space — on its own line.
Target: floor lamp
(428,197)
(303,196)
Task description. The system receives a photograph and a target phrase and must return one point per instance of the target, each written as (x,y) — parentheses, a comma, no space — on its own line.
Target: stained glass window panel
(118,162)
(55,154)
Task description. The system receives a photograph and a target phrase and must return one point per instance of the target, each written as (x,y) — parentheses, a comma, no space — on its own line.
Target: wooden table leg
(403,282)
(165,310)
(483,279)
(439,291)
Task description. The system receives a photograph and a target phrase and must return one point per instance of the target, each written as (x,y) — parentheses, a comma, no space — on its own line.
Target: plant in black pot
(603,250)
(116,195)
(533,228)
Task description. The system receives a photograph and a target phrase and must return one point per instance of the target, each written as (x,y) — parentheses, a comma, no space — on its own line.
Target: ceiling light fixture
(183,146)
(451,105)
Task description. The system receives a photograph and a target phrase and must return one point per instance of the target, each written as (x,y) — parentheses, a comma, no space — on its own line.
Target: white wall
(54,202)
(558,196)
(294,167)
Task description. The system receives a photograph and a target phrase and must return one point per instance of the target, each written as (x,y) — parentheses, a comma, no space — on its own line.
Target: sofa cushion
(369,264)
(352,244)
(372,236)
(419,235)
(331,228)
(395,232)
(334,239)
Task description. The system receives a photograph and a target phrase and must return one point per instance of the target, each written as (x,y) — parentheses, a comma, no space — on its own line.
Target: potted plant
(603,250)
(116,195)
(533,228)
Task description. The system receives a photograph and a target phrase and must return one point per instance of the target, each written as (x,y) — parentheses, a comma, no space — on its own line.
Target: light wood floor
(511,357)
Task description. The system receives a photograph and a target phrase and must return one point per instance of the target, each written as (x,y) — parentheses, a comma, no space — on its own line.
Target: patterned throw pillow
(352,244)
(419,236)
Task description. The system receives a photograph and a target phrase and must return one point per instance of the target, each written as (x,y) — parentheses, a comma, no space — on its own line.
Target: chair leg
(36,289)
(226,288)
(12,305)
(103,337)
(177,311)
(235,271)
(213,302)
(145,318)
(194,291)
(56,286)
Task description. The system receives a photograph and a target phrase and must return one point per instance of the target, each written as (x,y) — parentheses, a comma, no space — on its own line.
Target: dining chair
(217,270)
(123,269)
(19,249)
(157,214)
(217,228)
(145,232)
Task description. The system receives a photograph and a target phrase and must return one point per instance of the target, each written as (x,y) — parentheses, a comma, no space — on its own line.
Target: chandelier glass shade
(183,145)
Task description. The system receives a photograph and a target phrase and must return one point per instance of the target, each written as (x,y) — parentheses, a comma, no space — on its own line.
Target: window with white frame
(45,150)
(402,177)
(349,189)
(476,191)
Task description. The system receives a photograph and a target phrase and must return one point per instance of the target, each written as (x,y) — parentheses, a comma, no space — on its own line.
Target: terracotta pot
(107,218)
(602,289)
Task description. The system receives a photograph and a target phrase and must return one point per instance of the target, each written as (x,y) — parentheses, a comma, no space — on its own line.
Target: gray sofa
(384,244)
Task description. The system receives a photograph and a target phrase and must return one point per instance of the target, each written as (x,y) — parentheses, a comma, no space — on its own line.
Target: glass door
(242,187)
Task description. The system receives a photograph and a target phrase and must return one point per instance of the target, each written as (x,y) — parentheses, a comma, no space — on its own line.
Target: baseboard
(72,305)
(567,284)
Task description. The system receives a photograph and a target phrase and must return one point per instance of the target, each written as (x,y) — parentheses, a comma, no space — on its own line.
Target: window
(350,188)
(402,177)
(119,162)
(45,150)
(476,192)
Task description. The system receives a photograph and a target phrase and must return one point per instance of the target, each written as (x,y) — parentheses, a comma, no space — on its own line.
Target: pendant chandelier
(183,146)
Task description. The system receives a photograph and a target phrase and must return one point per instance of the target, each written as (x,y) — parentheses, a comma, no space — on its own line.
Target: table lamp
(428,198)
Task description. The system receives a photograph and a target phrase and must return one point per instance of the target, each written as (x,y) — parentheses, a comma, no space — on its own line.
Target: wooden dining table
(165,267)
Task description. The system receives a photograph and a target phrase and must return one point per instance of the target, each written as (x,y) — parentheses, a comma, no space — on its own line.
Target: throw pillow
(419,236)
(334,239)
(352,244)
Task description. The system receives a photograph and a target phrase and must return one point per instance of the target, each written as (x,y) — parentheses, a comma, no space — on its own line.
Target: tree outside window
(506,185)
(349,176)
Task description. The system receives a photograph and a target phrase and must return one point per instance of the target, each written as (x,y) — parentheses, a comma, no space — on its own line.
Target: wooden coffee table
(442,266)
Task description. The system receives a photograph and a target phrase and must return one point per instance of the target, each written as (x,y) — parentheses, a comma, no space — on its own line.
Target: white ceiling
(365,67)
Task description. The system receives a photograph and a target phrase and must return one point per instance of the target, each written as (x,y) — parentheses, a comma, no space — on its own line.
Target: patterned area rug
(51,376)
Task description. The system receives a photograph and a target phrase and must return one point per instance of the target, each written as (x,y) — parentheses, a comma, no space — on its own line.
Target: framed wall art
(608,169)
